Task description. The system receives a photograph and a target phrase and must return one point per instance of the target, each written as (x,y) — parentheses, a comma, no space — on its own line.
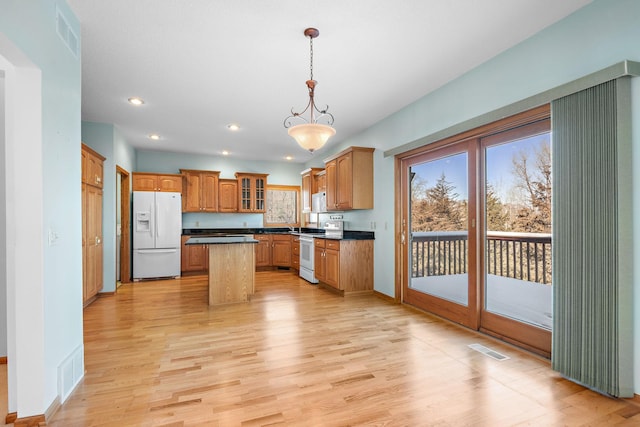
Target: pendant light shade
(311,135)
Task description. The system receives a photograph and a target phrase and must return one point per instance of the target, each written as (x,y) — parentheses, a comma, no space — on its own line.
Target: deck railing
(523,256)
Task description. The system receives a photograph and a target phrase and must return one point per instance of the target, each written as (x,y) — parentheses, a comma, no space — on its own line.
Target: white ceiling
(202,64)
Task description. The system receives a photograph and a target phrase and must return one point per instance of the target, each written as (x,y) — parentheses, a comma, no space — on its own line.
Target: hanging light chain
(311,56)
(311,84)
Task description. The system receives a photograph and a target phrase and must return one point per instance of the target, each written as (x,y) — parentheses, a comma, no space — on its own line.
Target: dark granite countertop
(231,232)
(220,240)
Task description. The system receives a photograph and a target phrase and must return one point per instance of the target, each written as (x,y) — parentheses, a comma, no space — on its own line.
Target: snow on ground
(528,302)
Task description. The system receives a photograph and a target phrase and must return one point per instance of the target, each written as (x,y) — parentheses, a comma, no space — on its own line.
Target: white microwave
(319,202)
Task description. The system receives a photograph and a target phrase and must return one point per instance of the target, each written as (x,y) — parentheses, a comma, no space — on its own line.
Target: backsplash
(221,220)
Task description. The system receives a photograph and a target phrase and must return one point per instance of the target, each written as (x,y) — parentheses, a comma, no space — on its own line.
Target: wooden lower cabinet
(332,263)
(295,252)
(345,265)
(281,250)
(92,242)
(319,263)
(263,250)
(273,250)
(193,257)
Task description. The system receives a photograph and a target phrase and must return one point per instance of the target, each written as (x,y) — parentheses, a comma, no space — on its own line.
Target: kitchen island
(231,267)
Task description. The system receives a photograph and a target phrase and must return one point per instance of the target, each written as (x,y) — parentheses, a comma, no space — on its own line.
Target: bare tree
(534,183)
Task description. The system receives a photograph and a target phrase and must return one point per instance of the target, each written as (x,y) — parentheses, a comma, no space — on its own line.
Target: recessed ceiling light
(225,153)
(154,136)
(289,158)
(233,126)
(136,101)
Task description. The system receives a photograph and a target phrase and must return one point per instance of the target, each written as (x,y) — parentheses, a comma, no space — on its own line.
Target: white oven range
(307,258)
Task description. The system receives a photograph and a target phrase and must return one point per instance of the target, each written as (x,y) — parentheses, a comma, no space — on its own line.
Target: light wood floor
(157,355)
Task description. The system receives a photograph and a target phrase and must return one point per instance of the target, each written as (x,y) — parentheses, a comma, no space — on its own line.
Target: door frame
(401,220)
(125,225)
(467,315)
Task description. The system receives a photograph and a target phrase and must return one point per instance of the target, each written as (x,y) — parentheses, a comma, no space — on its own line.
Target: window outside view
(517,239)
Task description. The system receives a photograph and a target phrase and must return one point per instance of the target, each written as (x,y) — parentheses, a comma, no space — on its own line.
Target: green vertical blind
(591,284)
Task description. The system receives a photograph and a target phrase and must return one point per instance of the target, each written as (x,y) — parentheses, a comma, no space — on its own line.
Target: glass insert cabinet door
(252,192)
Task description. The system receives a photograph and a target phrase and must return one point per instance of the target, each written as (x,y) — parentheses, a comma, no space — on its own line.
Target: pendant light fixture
(310,134)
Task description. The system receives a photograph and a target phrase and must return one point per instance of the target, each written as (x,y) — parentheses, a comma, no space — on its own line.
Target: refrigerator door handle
(156,251)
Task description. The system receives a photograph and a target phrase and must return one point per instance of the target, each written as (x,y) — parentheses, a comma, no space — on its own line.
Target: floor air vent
(487,351)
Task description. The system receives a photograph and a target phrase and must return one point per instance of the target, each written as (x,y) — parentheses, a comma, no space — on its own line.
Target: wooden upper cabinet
(170,183)
(92,167)
(149,181)
(228,195)
(309,186)
(252,192)
(201,191)
(349,179)
(319,181)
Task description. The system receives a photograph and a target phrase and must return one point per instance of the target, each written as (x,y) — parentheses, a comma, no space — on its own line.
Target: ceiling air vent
(66,33)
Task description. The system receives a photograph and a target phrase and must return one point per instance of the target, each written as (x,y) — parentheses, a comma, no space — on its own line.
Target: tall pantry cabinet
(92,247)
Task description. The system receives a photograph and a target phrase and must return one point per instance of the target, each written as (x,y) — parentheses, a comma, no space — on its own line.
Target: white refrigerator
(157,227)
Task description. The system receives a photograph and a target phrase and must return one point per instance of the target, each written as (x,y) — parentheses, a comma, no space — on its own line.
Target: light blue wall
(125,154)
(31,25)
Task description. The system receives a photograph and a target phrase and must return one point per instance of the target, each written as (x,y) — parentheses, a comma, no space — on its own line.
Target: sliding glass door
(477,230)
(516,198)
(440,247)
